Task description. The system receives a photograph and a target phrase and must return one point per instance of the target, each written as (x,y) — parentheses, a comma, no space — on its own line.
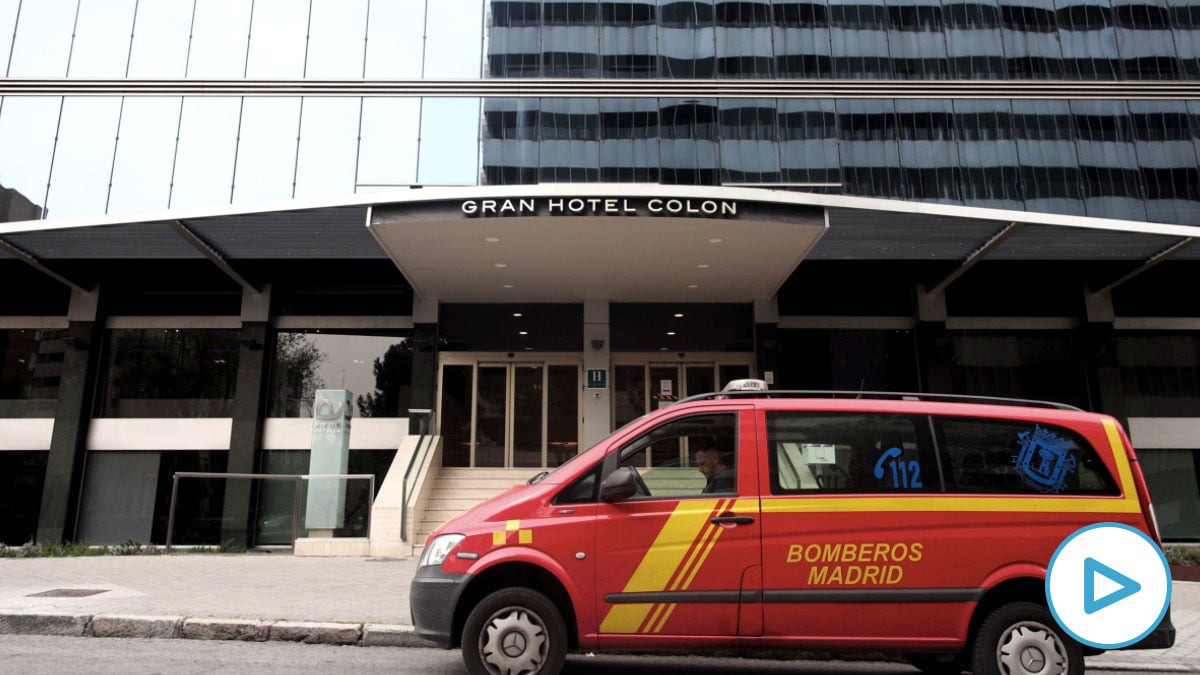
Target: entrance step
(458,489)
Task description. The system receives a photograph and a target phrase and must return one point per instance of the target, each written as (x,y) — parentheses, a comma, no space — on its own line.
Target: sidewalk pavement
(275,596)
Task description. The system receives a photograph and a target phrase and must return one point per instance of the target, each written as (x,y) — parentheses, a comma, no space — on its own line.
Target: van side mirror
(619,485)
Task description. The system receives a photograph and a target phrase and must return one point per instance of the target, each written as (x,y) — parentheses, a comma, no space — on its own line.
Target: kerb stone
(130,626)
(391,635)
(44,623)
(226,629)
(316,633)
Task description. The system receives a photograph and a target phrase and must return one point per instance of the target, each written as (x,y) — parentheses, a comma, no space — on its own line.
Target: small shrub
(1183,556)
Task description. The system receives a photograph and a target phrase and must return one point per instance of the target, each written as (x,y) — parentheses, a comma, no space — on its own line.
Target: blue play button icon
(1093,567)
(1094,602)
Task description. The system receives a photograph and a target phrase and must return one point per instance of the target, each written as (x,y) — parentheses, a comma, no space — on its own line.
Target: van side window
(848,452)
(1018,457)
(687,457)
(582,491)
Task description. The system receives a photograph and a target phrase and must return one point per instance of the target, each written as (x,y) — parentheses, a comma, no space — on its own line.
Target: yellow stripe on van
(660,563)
(905,503)
(1124,472)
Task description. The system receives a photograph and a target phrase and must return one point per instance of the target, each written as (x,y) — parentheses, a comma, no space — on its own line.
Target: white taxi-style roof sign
(746,385)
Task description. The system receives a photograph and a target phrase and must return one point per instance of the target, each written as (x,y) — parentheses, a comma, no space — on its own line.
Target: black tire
(937,664)
(514,631)
(1022,638)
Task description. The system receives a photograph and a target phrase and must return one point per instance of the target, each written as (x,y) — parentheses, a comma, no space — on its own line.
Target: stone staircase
(458,489)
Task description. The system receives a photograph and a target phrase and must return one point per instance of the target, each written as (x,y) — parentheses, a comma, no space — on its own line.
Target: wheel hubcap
(513,642)
(1030,648)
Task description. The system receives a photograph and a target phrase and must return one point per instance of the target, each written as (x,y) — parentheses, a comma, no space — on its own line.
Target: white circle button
(1108,585)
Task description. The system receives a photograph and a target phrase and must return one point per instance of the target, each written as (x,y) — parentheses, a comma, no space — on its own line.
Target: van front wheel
(514,630)
(1022,638)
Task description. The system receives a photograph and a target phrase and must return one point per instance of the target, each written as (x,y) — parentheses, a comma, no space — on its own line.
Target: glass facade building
(1008,189)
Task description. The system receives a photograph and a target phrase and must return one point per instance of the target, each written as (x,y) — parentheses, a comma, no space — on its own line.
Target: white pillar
(597,403)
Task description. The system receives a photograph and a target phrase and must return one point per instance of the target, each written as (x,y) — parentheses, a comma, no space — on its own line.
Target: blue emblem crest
(1044,461)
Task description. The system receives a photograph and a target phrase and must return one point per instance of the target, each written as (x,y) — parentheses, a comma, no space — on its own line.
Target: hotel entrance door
(641,385)
(509,414)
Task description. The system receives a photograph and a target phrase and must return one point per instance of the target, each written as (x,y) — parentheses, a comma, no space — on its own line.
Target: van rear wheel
(514,631)
(1022,638)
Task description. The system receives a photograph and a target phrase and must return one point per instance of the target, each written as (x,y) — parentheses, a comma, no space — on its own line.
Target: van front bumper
(432,598)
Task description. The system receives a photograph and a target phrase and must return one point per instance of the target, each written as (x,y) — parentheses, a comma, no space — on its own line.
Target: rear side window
(849,452)
(1015,457)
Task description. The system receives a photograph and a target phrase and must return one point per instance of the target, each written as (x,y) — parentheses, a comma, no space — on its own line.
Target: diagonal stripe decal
(677,542)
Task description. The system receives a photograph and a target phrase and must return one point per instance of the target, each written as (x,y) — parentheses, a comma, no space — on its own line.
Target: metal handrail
(428,416)
(297,478)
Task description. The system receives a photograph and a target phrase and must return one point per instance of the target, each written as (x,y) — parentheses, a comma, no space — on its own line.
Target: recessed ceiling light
(714,240)
(518,314)
(509,286)
(522,332)
(702,266)
(670,332)
(678,315)
(529,349)
(693,285)
(663,349)
(501,265)
(492,240)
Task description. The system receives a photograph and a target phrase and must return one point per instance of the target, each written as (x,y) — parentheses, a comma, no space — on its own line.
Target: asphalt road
(47,654)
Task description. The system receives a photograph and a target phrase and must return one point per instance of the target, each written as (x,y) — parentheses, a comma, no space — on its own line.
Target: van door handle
(732,520)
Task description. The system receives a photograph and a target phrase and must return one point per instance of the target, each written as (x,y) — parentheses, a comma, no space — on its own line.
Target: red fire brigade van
(920,525)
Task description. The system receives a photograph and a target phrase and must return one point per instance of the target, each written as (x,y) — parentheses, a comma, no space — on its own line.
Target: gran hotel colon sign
(600,206)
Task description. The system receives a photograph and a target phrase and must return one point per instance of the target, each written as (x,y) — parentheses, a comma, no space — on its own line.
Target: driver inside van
(710,459)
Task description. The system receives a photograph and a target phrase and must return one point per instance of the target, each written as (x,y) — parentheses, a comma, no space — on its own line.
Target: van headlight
(437,550)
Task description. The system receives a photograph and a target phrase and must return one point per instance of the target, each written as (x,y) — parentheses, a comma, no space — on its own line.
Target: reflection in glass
(127,497)
(170,373)
(266,149)
(22,476)
(629,394)
(277,498)
(219,33)
(42,45)
(394,39)
(83,155)
(527,415)
(562,417)
(387,151)
(27,130)
(449,141)
(328,139)
(454,40)
(455,414)
(490,408)
(376,368)
(1170,476)
(336,24)
(141,172)
(278,39)
(699,379)
(205,152)
(101,45)
(31,365)
(8,22)
(160,39)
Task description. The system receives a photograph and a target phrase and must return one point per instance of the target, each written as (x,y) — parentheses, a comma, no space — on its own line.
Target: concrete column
(245,442)
(766,342)
(597,346)
(425,360)
(1104,389)
(933,367)
(68,442)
